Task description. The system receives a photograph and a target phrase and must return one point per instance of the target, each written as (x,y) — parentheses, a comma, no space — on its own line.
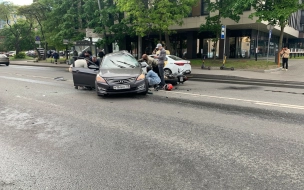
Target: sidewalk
(294,73)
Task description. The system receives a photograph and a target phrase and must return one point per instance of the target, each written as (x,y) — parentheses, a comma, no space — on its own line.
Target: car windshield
(119,61)
(2,56)
(175,58)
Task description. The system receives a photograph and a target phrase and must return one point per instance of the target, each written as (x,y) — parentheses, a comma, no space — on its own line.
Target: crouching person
(153,78)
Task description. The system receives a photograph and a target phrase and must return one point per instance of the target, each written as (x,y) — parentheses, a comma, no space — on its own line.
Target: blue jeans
(161,74)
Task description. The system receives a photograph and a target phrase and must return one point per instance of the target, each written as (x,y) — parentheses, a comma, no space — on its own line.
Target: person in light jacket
(161,61)
(152,77)
(285,55)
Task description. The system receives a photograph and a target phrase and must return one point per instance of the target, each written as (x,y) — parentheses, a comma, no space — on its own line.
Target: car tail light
(179,63)
(100,79)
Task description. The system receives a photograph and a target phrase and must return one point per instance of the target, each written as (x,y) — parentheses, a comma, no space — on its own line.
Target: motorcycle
(175,78)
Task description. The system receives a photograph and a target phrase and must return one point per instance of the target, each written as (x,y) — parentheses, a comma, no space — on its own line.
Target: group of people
(88,60)
(155,69)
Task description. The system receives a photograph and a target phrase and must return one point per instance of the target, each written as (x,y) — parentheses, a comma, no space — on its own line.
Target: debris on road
(59,79)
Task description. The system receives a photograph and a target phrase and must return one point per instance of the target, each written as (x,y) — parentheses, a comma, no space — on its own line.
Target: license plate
(181,79)
(121,87)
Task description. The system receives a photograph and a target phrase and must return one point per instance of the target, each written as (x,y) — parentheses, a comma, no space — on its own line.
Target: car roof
(119,53)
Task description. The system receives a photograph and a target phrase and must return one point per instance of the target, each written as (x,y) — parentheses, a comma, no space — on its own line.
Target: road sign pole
(268,44)
(223,36)
(224,59)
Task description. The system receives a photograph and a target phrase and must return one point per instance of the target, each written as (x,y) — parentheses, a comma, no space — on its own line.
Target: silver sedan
(4,60)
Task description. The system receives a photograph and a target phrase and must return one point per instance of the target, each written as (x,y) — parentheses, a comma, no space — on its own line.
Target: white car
(12,53)
(174,64)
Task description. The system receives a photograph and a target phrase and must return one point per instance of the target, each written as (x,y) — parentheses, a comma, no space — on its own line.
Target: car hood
(120,72)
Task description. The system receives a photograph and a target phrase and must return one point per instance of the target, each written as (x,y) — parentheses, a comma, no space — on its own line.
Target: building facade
(243,39)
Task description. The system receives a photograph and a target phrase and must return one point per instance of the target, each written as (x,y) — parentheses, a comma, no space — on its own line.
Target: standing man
(161,61)
(56,56)
(285,55)
(101,54)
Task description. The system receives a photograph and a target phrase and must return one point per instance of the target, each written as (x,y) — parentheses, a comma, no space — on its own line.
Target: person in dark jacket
(56,56)
(101,54)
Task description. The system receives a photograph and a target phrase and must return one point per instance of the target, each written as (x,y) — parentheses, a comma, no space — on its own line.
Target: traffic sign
(270,34)
(37,42)
(37,38)
(223,32)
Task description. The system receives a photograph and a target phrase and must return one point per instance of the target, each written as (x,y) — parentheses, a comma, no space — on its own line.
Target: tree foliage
(18,36)
(276,12)
(108,21)
(155,15)
(18,32)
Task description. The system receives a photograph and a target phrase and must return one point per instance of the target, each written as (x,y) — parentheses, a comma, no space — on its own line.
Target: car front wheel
(7,64)
(167,71)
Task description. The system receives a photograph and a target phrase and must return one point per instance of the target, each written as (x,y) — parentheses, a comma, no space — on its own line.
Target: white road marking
(33,76)
(40,101)
(244,100)
(253,82)
(31,81)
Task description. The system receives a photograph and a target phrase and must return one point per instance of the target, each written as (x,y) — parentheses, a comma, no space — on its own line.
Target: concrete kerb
(39,64)
(272,70)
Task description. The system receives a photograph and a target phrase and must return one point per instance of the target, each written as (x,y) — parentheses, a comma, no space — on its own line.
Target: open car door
(84,76)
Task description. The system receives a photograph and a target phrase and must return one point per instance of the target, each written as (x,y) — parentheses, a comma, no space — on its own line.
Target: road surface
(202,135)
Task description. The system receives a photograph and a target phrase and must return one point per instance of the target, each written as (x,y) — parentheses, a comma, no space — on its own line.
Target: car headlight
(141,77)
(100,79)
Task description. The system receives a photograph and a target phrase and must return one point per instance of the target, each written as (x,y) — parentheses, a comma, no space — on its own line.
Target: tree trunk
(168,43)
(45,50)
(139,52)
(280,43)
(79,8)
(17,48)
(215,49)
(160,37)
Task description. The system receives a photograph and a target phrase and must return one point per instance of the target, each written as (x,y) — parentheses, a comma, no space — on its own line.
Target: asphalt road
(202,135)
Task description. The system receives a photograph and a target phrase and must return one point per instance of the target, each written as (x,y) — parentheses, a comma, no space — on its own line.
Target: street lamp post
(269,27)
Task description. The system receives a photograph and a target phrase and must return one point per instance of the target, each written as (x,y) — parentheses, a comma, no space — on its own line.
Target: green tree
(18,31)
(37,14)
(108,21)
(18,36)
(156,15)
(64,21)
(276,12)
(220,9)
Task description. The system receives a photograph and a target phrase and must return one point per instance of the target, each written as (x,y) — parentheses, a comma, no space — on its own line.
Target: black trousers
(285,62)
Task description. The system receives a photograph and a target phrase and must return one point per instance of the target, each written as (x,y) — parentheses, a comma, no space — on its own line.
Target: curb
(40,65)
(272,70)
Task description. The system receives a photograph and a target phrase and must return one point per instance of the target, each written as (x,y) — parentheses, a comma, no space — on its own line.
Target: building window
(204,7)
(301,28)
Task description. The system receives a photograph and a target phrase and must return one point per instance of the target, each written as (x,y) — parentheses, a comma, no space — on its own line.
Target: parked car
(30,53)
(4,59)
(11,53)
(119,73)
(176,64)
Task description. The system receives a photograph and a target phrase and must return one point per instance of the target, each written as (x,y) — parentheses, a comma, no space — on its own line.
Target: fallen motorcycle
(175,78)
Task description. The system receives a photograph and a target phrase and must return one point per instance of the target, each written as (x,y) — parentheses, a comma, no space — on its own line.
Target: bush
(20,55)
